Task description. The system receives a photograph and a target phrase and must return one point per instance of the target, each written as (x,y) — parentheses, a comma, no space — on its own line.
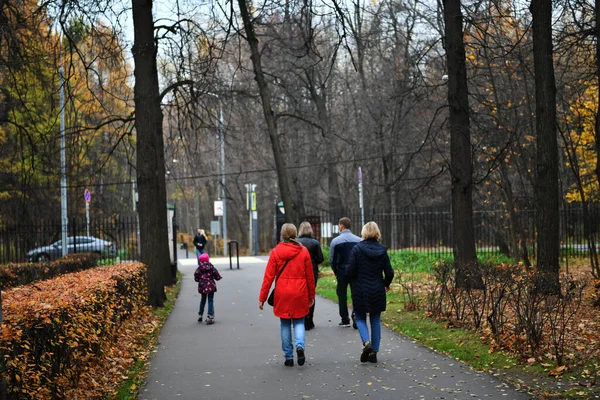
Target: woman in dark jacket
(305,234)
(370,274)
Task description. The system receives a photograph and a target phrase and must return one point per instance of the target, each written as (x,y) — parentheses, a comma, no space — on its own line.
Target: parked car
(76,244)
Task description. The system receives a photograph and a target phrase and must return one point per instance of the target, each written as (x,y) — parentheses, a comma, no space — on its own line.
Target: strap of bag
(280,272)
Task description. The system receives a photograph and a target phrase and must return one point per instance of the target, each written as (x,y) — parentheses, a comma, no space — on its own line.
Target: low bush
(55,330)
(13,274)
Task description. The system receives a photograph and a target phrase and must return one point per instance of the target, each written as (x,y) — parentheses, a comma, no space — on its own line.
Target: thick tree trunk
(597,6)
(265,95)
(546,189)
(465,255)
(150,155)
(336,207)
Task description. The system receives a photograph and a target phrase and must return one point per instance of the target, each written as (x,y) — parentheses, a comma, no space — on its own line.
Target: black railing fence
(421,229)
(430,230)
(17,240)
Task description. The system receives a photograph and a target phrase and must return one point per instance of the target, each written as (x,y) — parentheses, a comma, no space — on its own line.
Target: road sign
(87,195)
(215,228)
(218,208)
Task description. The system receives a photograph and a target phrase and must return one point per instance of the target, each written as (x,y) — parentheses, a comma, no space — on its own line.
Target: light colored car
(76,244)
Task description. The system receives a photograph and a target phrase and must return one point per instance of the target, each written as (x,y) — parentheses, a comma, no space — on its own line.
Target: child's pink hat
(203,257)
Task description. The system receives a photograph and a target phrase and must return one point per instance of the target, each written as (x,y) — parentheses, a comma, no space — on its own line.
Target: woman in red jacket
(294,290)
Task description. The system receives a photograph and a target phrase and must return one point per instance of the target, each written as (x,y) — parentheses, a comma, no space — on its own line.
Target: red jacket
(296,285)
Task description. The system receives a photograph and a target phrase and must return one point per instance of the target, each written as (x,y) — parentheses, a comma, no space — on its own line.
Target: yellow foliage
(582,131)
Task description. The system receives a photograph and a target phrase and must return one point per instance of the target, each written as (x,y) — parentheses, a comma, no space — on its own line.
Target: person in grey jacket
(305,237)
(370,273)
(339,255)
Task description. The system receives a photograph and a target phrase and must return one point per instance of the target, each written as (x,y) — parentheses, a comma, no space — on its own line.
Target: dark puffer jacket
(206,275)
(369,272)
(316,254)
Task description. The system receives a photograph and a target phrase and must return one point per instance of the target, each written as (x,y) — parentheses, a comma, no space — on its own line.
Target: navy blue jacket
(339,251)
(369,272)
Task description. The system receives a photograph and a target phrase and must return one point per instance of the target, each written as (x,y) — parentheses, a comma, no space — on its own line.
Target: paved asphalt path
(240,356)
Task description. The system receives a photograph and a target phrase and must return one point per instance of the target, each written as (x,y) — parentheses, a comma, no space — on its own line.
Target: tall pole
(223,197)
(360,197)
(63,162)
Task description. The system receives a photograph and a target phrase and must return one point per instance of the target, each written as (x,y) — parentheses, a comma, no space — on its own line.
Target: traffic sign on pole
(87,195)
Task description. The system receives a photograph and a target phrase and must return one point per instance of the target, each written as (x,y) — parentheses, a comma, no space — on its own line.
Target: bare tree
(265,95)
(150,154)
(546,190)
(461,167)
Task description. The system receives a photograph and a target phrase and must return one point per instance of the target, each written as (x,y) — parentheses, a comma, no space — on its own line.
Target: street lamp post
(222,132)
(63,162)
(221,136)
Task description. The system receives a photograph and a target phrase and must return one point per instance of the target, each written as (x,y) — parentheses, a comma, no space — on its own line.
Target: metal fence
(17,240)
(421,229)
(430,230)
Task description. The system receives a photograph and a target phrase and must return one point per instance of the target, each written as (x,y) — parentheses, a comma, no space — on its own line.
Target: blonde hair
(305,229)
(288,232)
(370,231)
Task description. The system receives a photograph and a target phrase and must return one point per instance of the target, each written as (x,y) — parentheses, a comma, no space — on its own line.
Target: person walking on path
(206,275)
(290,266)
(199,242)
(339,255)
(305,237)
(370,274)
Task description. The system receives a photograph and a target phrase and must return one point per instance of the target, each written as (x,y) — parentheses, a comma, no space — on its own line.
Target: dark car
(77,244)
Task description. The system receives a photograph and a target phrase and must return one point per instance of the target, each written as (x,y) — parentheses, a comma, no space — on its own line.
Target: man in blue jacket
(339,256)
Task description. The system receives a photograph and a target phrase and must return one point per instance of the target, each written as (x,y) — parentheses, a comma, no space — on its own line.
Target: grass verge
(466,346)
(128,389)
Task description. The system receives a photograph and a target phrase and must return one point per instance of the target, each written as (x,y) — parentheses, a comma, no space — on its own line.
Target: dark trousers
(341,290)
(311,313)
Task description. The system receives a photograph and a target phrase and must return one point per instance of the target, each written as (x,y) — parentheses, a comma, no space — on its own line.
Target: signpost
(253,218)
(88,197)
(360,197)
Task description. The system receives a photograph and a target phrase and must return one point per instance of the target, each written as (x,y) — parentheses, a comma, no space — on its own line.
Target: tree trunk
(465,255)
(150,155)
(336,207)
(597,6)
(265,95)
(546,189)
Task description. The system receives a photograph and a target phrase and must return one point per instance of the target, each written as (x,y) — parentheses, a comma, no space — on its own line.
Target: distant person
(305,237)
(200,242)
(290,266)
(370,274)
(339,255)
(206,275)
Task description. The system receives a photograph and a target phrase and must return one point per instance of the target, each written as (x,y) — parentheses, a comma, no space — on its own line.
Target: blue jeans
(286,335)
(363,329)
(211,304)
(199,251)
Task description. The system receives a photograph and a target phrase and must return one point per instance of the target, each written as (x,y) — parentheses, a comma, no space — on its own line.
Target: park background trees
(351,84)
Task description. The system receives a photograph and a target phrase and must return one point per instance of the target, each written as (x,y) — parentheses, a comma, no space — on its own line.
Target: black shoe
(373,357)
(200,319)
(289,363)
(364,356)
(345,324)
(354,322)
(301,357)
